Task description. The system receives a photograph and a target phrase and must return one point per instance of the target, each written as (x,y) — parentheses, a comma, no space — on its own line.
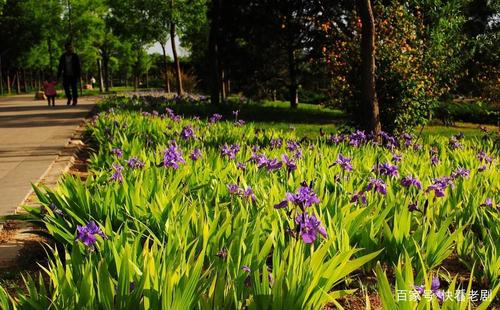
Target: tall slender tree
(368,90)
(173,23)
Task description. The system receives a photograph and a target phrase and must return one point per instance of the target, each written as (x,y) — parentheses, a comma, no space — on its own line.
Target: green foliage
(405,296)
(474,112)
(179,239)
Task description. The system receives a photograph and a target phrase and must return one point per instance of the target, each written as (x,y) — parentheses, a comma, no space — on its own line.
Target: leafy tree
(129,20)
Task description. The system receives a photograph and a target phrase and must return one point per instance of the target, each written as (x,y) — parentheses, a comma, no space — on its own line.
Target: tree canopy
(310,51)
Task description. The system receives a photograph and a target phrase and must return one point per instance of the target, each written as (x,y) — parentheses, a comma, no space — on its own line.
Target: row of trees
(398,57)
(111,36)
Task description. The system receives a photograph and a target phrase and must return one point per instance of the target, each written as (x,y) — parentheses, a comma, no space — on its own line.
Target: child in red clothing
(49,88)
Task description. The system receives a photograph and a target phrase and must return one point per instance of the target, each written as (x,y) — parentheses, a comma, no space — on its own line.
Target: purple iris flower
(337,138)
(304,198)
(460,172)
(412,207)
(87,234)
(234,189)
(56,210)
(236,113)
(420,289)
(488,203)
(222,253)
(135,163)
(298,154)
(417,147)
(195,154)
(408,139)
(292,145)
(248,193)
(482,156)
(246,269)
(411,181)
(117,175)
(396,158)
(356,138)
(360,196)
(240,122)
(390,141)
(259,159)
(276,143)
(173,156)
(255,155)
(309,227)
(378,185)
(215,118)
(439,186)
(241,166)
(172,115)
(453,143)
(231,151)
(386,169)
(434,160)
(289,162)
(344,162)
(482,168)
(187,132)
(273,164)
(117,152)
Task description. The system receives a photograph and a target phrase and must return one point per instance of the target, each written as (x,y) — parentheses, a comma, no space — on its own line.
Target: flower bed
(183,213)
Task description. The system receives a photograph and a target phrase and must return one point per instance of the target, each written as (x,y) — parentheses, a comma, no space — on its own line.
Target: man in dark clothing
(70,70)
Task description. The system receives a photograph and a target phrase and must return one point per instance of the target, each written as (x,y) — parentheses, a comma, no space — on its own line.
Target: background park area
(250,154)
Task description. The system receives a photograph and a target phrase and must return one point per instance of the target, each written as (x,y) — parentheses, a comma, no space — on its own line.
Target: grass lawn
(308,119)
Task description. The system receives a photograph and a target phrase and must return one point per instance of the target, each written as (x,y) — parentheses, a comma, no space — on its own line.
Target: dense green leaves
(177,238)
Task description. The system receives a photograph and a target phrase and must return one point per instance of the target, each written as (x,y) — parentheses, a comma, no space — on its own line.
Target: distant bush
(312,97)
(473,112)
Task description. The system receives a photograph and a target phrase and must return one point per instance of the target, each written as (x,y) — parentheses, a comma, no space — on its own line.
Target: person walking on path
(49,88)
(70,70)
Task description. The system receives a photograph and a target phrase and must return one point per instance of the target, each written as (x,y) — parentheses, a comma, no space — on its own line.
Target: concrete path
(31,136)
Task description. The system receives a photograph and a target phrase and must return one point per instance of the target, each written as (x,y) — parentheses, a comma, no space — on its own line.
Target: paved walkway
(31,137)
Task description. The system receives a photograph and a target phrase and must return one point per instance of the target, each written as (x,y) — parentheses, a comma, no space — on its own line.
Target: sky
(156,48)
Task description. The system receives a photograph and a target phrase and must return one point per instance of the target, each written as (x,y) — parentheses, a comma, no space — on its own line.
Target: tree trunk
(39,80)
(105,64)
(1,76)
(18,82)
(369,102)
(32,81)
(223,93)
(213,52)
(165,68)
(51,58)
(294,100)
(9,89)
(99,72)
(25,82)
(180,91)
